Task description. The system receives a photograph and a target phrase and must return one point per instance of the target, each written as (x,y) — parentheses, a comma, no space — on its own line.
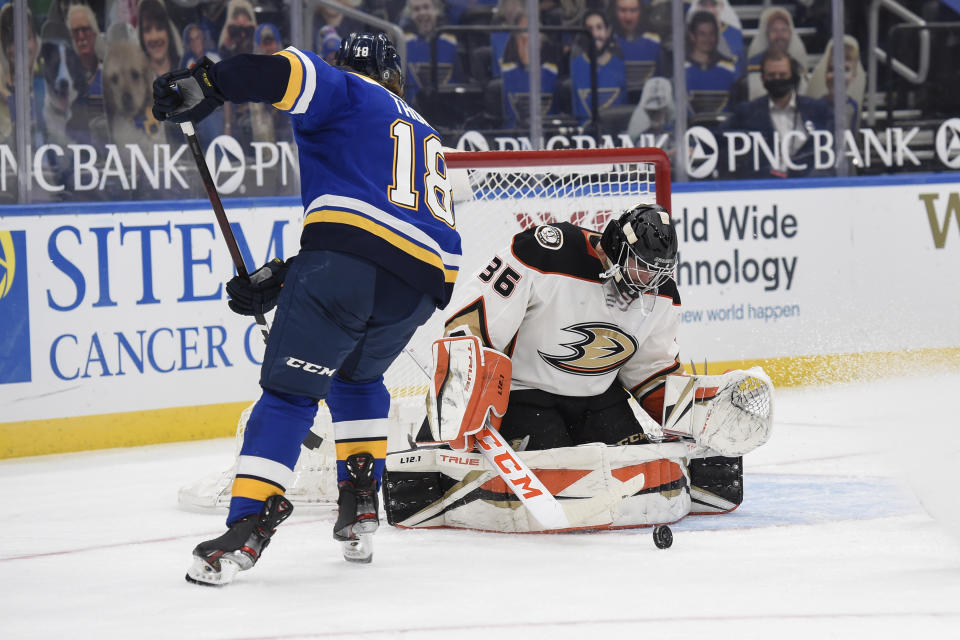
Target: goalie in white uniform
(587,319)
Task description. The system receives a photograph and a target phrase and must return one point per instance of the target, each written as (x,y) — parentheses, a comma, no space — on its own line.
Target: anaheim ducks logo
(604,348)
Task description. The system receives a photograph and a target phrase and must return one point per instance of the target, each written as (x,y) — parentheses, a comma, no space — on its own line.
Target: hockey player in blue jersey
(379,252)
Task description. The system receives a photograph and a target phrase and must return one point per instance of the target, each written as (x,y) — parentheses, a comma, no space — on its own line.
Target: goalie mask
(641,247)
(373,56)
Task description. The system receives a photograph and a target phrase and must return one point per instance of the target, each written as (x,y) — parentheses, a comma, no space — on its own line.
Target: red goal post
(497,194)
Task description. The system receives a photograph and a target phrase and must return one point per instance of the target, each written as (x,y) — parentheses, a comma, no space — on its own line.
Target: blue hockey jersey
(373,175)
(516,92)
(419,63)
(708,88)
(642,57)
(611,84)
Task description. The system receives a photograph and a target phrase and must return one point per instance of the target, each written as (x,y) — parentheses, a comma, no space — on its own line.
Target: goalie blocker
(445,484)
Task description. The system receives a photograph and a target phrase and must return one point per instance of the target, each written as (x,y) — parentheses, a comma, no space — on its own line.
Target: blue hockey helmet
(373,56)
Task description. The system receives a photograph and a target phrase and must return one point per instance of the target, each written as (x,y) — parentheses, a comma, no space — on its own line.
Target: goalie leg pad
(471,385)
(716,484)
(441,488)
(406,493)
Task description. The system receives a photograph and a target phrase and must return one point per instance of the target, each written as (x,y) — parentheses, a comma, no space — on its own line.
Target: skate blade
(203,574)
(360,550)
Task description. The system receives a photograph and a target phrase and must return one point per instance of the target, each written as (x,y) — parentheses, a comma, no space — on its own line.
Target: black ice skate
(217,562)
(359,506)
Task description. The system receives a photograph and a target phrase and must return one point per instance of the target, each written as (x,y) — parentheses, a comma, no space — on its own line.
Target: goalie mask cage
(497,194)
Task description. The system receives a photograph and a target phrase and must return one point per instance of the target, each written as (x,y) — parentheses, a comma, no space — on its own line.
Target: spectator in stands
(775,32)
(197,44)
(821,80)
(641,48)
(420,25)
(710,74)
(730,43)
(516,79)
(157,37)
(237,34)
(784,119)
(84,32)
(506,13)
(611,74)
(8,109)
(651,124)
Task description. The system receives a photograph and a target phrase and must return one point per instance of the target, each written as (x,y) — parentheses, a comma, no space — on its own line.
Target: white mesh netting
(497,195)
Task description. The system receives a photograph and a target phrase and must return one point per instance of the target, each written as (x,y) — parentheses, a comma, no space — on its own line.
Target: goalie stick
(214,197)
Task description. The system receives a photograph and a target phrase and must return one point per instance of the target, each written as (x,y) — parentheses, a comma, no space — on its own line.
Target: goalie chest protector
(541,302)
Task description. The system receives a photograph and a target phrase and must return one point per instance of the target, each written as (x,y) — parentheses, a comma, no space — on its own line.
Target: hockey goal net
(496,194)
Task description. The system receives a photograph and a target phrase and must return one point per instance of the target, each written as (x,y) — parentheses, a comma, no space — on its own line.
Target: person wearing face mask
(784,119)
(775,31)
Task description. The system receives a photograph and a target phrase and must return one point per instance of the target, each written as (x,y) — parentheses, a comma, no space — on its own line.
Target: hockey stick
(214,197)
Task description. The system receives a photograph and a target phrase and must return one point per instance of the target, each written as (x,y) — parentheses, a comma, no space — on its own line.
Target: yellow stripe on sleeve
(376,448)
(254,489)
(293,83)
(405,245)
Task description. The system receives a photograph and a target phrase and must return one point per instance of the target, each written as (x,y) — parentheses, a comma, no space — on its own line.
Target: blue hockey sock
(271,445)
(360,423)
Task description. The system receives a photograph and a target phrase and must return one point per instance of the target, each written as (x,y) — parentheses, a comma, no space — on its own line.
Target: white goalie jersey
(541,302)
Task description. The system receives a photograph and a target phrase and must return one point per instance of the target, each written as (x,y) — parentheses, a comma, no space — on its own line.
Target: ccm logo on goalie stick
(309,367)
(513,470)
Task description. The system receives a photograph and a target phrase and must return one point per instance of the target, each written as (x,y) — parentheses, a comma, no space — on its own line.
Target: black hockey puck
(662,536)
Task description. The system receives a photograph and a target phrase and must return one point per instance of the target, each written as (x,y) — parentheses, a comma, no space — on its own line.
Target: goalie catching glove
(471,386)
(258,294)
(731,413)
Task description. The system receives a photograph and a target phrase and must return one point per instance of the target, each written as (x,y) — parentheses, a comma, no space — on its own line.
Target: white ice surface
(830,543)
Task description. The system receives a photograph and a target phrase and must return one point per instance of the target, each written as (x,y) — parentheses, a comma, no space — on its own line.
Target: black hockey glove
(187,94)
(259,293)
